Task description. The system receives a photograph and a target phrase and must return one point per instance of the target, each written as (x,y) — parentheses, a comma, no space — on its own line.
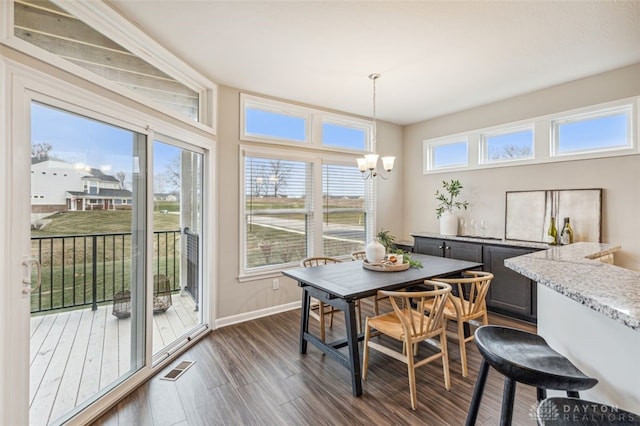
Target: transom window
(597,131)
(448,154)
(127,59)
(507,145)
(344,136)
(275,125)
(270,121)
(602,131)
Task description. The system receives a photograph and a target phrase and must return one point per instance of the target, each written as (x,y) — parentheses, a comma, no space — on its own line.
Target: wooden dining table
(340,285)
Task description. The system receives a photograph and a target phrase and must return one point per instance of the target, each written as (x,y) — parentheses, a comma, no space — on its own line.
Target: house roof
(104,193)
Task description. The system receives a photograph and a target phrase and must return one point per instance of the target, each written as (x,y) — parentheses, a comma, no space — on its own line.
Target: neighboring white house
(50,180)
(60,186)
(164,197)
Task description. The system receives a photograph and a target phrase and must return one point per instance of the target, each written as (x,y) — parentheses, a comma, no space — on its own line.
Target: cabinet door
(509,292)
(429,246)
(463,251)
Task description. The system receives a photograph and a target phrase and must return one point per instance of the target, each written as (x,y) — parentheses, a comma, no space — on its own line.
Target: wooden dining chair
(362,255)
(411,323)
(319,310)
(467,304)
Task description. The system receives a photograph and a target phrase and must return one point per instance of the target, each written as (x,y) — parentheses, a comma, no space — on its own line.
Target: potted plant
(388,241)
(445,210)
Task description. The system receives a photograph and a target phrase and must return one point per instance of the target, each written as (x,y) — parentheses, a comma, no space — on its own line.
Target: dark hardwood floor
(252,374)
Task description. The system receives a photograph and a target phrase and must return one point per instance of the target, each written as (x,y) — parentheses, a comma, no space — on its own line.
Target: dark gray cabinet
(510,293)
(448,248)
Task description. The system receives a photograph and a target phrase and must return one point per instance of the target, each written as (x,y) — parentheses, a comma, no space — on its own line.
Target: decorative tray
(385,266)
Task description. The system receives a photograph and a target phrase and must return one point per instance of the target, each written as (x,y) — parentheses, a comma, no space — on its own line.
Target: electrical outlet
(276,283)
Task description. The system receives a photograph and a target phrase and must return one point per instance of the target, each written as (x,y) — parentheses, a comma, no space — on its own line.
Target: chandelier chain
(374,77)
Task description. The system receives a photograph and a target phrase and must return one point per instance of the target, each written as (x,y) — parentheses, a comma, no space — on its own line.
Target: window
(344,210)
(507,146)
(276,125)
(278,210)
(596,131)
(270,121)
(447,154)
(127,58)
(295,202)
(344,136)
(599,131)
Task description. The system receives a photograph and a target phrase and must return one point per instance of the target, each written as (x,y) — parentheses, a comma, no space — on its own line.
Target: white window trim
(313,131)
(543,138)
(111,24)
(318,159)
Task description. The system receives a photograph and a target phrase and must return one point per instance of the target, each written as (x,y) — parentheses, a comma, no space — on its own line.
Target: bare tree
(41,150)
(278,176)
(172,173)
(260,181)
(511,151)
(122,178)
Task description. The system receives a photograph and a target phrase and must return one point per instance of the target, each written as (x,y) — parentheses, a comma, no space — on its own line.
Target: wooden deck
(77,353)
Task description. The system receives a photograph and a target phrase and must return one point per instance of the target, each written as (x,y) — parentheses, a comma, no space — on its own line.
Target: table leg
(354,352)
(304,319)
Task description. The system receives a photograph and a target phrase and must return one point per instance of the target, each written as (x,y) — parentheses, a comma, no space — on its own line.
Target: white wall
(485,189)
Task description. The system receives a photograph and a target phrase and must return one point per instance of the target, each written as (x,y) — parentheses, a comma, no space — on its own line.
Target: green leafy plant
(448,196)
(388,241)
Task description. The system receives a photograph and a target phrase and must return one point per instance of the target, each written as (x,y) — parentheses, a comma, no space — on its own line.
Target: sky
(80,140)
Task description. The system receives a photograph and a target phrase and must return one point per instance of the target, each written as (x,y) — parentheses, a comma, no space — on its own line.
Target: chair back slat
(359,255)
(420,313)
(472,290)
(317,261)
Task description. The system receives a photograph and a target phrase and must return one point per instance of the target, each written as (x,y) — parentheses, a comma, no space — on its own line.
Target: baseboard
(248,316)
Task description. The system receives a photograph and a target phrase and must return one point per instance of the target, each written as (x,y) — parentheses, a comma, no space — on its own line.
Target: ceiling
(434,57)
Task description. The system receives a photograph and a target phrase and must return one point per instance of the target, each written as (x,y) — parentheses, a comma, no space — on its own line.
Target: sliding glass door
(88,222)
(177,233)
(118,241)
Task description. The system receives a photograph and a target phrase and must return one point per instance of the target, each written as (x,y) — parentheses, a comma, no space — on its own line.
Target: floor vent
(177,371)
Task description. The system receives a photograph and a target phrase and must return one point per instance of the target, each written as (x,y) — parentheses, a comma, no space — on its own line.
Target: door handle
(26,280)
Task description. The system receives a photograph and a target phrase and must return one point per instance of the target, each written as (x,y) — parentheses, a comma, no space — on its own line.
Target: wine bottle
(566,235)
(552,233)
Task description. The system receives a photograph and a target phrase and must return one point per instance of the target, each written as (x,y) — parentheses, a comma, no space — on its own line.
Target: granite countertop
(483,240)
(571,271)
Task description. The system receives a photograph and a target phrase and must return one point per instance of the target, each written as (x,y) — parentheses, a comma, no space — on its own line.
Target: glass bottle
(552,233)
(566,235)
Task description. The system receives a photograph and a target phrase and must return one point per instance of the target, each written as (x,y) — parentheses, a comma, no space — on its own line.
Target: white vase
(375,251)
(448,224)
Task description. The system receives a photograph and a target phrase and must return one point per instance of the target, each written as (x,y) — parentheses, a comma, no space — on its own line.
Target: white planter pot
(375,252)
(448,224)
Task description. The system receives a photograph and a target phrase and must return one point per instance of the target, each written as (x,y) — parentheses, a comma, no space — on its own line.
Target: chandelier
(368,165)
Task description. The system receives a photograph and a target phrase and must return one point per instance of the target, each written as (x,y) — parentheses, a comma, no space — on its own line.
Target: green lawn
(68,263)
(102,222)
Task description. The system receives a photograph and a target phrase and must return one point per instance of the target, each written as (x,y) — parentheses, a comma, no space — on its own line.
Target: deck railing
(82,270)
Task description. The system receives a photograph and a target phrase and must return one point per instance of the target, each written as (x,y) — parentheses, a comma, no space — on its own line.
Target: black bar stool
(526,358)
(559,411)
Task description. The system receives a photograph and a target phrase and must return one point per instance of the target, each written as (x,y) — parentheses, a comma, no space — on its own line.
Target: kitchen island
(589,310)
